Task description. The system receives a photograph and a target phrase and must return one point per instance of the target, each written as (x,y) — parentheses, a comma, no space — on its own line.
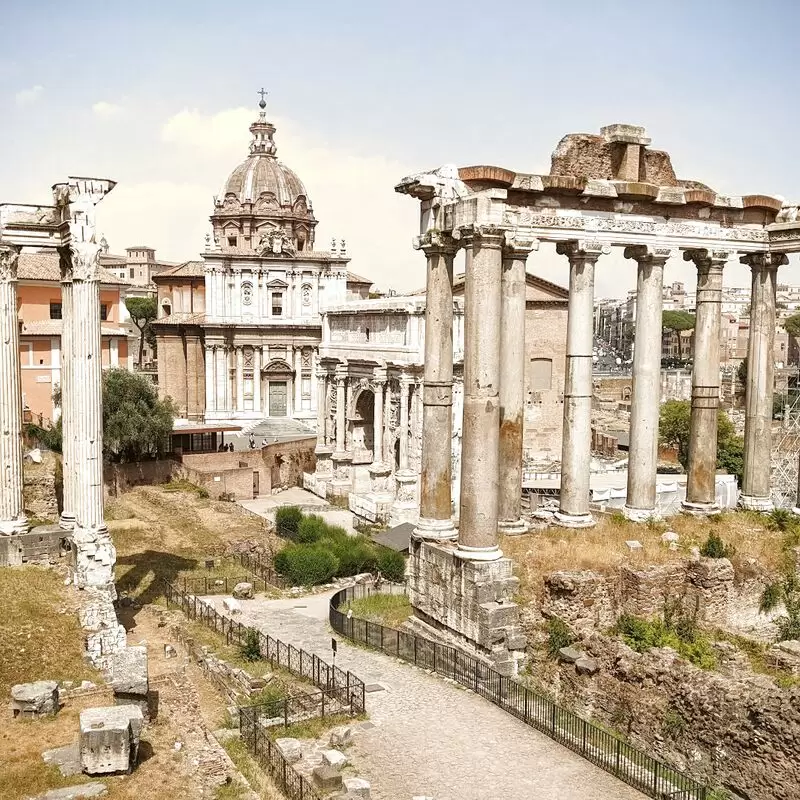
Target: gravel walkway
(430,737)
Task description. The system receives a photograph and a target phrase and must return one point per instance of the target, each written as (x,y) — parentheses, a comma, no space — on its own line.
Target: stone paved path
(430,737)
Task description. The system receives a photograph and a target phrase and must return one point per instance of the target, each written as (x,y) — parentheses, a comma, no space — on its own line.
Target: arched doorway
(362,431)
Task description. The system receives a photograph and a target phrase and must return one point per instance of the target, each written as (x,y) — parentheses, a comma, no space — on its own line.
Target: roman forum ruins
(602,191)
(68,225)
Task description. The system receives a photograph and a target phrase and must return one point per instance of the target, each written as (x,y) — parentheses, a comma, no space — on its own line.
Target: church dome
(263,198)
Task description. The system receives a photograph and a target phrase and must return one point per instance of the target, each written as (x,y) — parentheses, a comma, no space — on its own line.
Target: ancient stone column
(577,438)
(322,394)
(405,386)
(69,479)
(239,378)
(435,514)
(257,379)
(341,415)
(640,504)
(701,496)
(95,552)
(512,380)
(12,514)
(759,388)
(379,382)
(480,453)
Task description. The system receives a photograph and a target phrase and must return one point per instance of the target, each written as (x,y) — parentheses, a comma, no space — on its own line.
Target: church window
(133,273)
(277,304)
(231,241)
(55,310)
(247,293)
(541,374)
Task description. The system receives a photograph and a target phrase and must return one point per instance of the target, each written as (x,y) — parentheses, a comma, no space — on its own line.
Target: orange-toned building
(39,311)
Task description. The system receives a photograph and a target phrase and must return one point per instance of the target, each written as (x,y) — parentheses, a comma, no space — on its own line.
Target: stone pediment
(278,367)
(277,283)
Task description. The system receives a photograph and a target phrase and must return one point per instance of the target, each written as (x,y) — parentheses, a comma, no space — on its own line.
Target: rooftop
(45,266)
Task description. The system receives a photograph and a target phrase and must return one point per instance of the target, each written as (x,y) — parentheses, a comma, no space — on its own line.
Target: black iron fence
(595,744)
(343,687)
(263,569)
(221,584)
(270,758)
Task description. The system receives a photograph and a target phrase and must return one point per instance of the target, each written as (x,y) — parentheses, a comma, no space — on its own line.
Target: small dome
(263,175)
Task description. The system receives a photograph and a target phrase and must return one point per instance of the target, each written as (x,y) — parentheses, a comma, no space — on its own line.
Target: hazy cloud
(106,110)
(27,97)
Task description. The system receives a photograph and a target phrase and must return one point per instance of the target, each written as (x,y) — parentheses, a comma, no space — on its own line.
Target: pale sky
(159,96)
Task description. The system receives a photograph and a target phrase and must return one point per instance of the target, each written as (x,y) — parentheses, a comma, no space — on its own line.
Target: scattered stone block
(37,699)
(326,778)
(290,749)
(334,758)
(232,605)
(670,537)
(67,759)
(570,655)
(109,739)
(373,687)
(75,792)
(357,787)
(129,671)
(634,544)
(243,591)
(170,651)
(586,666)
(341,739)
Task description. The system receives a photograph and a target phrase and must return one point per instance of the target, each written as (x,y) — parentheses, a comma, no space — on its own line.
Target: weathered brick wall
(41,487)
(119,478)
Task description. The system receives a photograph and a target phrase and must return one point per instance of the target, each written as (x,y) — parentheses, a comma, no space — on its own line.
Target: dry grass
(40,636)
(387,609)
(603,549)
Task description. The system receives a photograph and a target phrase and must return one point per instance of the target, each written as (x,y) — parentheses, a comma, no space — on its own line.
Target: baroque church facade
(239,331)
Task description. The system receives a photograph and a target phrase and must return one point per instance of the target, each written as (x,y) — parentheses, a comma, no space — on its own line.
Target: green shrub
(306,564)
(355,554)
(311,529)
(392,565)
(781,519)
(714,547)
(250,649)
(558,635)
(682,636)
(287,521)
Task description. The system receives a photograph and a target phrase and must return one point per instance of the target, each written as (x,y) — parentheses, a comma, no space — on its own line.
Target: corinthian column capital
(85,261)
(488,236)
(707,260)
(583,250)
(647,254)
(519,243)
(435,241)
(9,258)
(761,261)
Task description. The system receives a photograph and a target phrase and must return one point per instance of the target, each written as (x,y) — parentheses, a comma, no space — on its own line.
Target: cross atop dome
(262,104)
(262,143)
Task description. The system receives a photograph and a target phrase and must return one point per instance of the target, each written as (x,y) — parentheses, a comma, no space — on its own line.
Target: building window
(541,374)
(103,311)
(231,241)
(277,304)
(55,310)
(133,272)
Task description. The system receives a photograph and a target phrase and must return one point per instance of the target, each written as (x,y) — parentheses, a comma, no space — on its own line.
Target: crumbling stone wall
(733,728)
(41,486)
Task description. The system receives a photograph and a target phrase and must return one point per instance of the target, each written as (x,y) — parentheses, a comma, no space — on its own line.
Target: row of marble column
(81,404)
(494,366)
(380,388)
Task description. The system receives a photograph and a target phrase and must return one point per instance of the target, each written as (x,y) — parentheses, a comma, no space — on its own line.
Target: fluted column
(640,504)
(340,411)
(322,411)
(298,380)
(257,379)
(477,534)
(405,386)
(436,512)
(12,514)
(701,495)
(239,379)
(69,478)
(577,436)
(759,388)
(379,381)
(95,552)
(210,380)
(512,379)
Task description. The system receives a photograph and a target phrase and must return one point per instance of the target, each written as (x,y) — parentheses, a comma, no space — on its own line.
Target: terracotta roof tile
(45,266)
(52,327)
(189,269)
(353,278)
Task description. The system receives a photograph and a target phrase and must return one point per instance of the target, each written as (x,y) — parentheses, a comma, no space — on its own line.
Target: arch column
(577,437)
(257,379)
(701,494)
(480,454)
(379,380)
(518,247)
(640,503)
(756,491)
(436,511)
(12,514)
(69,479)
(239,378)
(322,411)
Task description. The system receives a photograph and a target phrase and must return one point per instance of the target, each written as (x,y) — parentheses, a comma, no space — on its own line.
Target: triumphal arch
(604,191)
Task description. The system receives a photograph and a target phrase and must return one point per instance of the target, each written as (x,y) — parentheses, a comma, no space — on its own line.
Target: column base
(10,527)
(796,511)
(564,520)
(435,530)
(700,509)
(467,553)
(513,527)
(762,504)
(640,514)
(66,521)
